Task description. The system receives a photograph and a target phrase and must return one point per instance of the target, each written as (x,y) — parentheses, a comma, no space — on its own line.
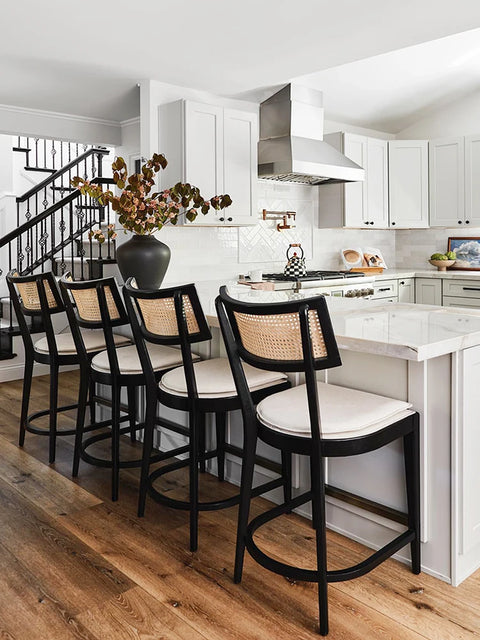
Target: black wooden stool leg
(150,414)
(132,411)
(287,475)
(27,385)
(115,440)
(318,510)
(92,389)
(411,448)
(53,412)
(220,427)
(248,465)
(195,427)
(81,410)
(201,424)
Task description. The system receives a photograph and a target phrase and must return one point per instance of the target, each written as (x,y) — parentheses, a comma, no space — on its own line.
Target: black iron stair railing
(52,221)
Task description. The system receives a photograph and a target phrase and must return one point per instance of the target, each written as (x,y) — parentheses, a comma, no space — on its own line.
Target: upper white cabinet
(214,148)
(472,180)
(357,204)
(447,183)
(408,183)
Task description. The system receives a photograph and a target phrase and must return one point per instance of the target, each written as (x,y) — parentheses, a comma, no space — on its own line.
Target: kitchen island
(429,356)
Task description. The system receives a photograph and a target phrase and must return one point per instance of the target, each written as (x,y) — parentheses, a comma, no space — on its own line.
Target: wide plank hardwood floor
(75,565)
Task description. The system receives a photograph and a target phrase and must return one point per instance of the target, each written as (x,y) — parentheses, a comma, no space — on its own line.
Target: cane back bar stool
(37,297)
(98,304)
(314,419)
(174,316)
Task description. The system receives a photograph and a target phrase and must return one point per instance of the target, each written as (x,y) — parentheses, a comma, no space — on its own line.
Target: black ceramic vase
(146,259)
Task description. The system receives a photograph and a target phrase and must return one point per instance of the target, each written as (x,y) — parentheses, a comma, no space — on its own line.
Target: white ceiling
(86,58)
(392,91)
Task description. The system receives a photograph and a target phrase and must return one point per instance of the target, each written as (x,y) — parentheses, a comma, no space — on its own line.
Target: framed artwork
(468,253)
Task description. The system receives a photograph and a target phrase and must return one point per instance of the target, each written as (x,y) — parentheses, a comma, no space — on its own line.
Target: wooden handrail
(45,183)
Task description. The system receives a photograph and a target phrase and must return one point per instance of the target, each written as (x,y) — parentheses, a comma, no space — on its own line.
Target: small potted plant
(143,213)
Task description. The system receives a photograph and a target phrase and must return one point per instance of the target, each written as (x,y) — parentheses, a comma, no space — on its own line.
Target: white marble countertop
(428,272)
(408,331)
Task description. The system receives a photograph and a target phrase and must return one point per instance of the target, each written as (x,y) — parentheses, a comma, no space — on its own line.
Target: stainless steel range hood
(291,147)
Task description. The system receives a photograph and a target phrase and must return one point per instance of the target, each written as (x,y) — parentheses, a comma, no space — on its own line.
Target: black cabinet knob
(402,282)
(467,221)
(372,223)
(393,224)
(230,219)
(365,223)
(221,219)
(459,222)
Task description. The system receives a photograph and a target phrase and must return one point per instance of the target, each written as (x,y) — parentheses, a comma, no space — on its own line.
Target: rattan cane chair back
(97,302)
(159,320)
(270,336)
(30,293)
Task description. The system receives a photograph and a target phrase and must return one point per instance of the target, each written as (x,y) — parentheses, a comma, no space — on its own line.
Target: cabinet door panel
(472,180)
(240,132)
(408,183)
(447,191)
(355,148)
(406,290)
(377,183)
(204,152)
(428,291)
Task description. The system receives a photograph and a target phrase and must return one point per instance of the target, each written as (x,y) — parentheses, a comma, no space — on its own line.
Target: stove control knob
(349,294)
(358,293)
(371,291)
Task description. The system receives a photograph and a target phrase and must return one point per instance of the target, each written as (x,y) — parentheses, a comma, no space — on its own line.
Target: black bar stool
(37,297)
(98,304)
(175,317)
(313,419)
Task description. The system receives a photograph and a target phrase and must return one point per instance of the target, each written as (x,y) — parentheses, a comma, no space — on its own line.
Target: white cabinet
(355,193)
(406,290)
(408,183)
(214,148)
(461,293)
(447,187)
(357,204)
(472,180)
(428,291)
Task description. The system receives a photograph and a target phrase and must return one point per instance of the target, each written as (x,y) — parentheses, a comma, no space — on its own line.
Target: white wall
(458,118)
(58,126)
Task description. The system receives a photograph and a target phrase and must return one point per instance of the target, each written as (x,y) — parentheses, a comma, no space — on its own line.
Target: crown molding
(62,116)
(130,121)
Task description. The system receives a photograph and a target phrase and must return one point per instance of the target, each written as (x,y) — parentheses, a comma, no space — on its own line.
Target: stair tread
(46,169)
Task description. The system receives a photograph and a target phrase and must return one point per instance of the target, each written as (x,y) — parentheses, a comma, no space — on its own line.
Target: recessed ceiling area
(392,91)
(87,58)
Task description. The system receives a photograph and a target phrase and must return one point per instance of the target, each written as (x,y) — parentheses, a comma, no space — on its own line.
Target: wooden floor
(75,565)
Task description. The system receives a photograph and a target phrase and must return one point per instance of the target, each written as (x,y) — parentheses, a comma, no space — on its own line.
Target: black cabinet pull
(365,223)
(221,219)
(372,223)
(393,224)
(471,288)
(229,219)
(459,222)
(384,289)
(467,221)
(402,282)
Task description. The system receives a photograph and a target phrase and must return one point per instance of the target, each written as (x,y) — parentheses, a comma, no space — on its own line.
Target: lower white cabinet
(406,290)
(386,290)
(461,293)
(428,291)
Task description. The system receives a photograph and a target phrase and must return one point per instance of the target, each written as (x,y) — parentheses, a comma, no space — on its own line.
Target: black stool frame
(114,379)
(196,407)
(53,358)
(315,447)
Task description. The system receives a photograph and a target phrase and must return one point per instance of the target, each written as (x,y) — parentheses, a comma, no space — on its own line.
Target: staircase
(52,222)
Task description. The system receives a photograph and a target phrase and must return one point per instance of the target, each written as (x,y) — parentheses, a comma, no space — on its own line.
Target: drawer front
(462,288)
(385,289)
(466,303)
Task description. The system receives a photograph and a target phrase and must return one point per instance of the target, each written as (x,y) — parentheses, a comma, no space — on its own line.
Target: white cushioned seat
(344,413)
(214,379)
(129,363)
(94,340)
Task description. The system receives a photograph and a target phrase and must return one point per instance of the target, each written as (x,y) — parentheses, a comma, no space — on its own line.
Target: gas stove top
(313,275)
